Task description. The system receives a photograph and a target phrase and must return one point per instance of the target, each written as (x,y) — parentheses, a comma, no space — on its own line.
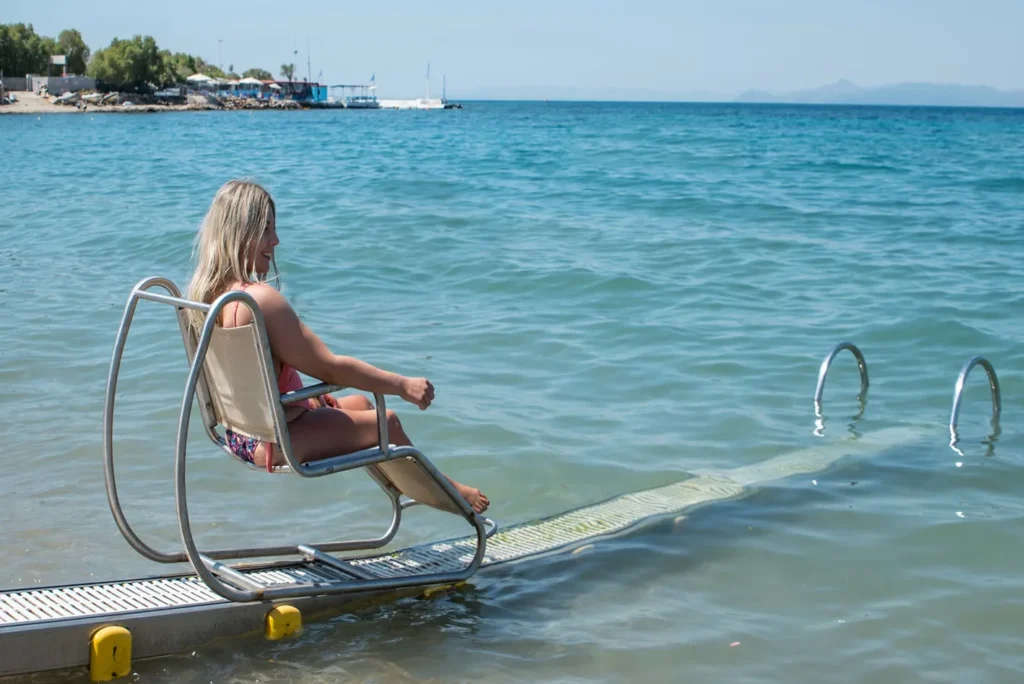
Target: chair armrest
(316,468)
(289,398)
(335,464)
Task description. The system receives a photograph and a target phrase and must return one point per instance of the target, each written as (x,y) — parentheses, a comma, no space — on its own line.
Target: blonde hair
(237,219)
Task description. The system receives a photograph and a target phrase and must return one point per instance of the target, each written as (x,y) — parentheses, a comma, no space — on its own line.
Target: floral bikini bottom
(242,446)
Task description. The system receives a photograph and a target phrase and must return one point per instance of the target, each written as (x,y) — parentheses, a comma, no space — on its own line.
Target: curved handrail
(993,383)
(862,366)
(108,424)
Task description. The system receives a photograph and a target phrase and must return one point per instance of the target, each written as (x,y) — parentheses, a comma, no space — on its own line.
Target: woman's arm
(298,346)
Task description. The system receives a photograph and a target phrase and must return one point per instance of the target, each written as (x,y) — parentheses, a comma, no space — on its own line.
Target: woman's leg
(323,433)
(354,402)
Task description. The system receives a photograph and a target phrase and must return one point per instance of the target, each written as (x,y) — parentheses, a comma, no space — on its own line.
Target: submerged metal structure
(106,624)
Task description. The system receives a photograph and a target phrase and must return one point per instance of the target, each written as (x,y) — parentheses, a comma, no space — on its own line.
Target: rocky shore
(30,103)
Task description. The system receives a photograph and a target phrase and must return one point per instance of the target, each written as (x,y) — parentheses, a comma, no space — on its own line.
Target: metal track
(49,628)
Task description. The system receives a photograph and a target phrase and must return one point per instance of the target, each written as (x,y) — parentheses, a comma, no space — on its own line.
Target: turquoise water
(608,298)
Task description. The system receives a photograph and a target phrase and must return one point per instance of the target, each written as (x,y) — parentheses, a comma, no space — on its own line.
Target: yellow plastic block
(283,621)
(110,654)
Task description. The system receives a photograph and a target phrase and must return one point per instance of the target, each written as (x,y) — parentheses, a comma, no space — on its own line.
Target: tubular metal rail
(225,580)
(954,417)
(862,366)
(993,383)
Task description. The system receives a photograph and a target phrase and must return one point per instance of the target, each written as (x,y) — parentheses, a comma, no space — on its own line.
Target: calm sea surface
(608,297)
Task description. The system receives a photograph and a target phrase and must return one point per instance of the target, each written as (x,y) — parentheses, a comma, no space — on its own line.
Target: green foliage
(180,66)
(209,69)
(48,47)
(136,61)
(288,71)
(71,45)
(23,51)
(260,74)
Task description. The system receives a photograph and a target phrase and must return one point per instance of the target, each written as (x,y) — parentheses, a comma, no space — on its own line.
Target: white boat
(418,103)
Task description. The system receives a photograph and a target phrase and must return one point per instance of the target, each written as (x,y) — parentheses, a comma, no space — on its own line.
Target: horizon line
(733,102)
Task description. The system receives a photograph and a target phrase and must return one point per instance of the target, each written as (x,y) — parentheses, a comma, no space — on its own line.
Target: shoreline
(30,103)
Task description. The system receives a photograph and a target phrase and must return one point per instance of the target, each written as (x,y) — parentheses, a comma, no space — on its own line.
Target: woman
(235,251)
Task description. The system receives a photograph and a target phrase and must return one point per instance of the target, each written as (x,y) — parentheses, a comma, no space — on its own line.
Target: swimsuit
(244,447)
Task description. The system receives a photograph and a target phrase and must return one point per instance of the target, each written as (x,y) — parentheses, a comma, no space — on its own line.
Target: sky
(636,49)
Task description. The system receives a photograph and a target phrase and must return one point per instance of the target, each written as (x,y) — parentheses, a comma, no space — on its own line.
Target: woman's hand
(417,391)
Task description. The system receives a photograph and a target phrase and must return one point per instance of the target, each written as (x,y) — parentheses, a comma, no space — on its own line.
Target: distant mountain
(913,94)
(571,93)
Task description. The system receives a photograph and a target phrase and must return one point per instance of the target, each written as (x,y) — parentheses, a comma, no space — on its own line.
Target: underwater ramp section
(50,628)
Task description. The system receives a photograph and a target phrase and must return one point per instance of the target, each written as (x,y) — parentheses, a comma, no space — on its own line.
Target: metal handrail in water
(993,383)
(823,372)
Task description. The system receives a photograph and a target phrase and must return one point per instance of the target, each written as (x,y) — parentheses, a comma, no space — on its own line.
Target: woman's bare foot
(472,495)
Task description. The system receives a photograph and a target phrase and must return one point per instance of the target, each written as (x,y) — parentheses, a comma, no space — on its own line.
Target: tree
(258,74)
(137,62)
(74,49)
(180,66)
(23,51)
(288,71)
(47,47)
(211,70)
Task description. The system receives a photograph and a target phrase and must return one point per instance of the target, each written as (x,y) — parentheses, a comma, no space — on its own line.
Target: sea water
(607,297)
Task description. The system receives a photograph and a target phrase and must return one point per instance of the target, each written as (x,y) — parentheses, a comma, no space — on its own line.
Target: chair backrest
(236,382)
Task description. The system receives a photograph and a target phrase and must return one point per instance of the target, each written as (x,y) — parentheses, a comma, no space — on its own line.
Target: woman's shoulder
(267,296)
(259,289)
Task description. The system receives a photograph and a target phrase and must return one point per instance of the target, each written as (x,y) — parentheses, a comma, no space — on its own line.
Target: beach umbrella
(199,78)
(249,80)
(275,86)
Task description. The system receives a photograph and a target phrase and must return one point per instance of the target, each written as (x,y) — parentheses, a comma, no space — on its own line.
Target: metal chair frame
(226,580)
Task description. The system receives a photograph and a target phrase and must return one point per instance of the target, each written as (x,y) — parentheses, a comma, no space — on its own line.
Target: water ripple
(607,297)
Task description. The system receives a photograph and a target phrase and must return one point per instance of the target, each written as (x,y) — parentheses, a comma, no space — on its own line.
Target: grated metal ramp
(112,598)
(516,543)
(57,621)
